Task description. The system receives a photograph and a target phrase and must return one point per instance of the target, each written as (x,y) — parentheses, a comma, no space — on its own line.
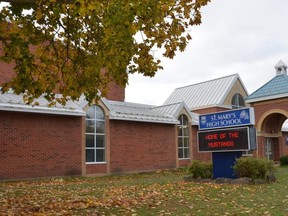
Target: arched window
(183,138)
(237,101)
(95,135)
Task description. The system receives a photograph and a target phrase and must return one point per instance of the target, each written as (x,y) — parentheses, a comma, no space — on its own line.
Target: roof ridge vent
(281,68)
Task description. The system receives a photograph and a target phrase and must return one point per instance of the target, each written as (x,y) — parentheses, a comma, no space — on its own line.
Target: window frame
(96,134)
(184,137)
(239,99)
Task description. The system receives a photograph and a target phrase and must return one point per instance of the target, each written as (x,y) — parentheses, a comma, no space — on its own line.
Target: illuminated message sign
(234,139)
(231,118)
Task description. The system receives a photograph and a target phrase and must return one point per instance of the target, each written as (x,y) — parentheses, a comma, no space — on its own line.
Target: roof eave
(272,97)
(143,120)
(181,106)
(210,106)
(231,84)
(40,110)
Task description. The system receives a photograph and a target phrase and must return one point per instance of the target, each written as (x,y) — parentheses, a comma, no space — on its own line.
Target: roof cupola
(281,68)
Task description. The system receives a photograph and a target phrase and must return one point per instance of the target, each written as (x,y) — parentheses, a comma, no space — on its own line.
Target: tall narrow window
(95,135)
(183,138)
(237,101)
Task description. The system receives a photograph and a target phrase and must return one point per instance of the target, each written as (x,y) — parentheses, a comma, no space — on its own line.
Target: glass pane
(100,155)
(186,142)
(100,127)
(90,155)
(234,100)
(90,126)
(241,101)
(100,141)
(180,142)
(186,153)
(180,153)
(99,113)
(185,120)
(90,114)
(237,101)
(90,141)
(185,131)
(180,131)
(181,120)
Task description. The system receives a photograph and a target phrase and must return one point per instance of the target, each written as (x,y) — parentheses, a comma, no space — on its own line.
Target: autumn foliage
(62,46)
(159,193)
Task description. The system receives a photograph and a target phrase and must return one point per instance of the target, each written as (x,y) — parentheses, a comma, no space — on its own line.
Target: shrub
(284,160)
(254,168)
(199,169)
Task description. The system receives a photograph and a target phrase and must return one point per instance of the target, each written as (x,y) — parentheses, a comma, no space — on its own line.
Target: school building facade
(115,136)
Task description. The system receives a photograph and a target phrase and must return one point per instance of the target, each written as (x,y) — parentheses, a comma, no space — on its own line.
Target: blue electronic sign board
(231,118)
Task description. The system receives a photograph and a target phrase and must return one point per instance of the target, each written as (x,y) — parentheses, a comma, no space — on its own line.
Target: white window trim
(96,163)
(183,136)
(95,148)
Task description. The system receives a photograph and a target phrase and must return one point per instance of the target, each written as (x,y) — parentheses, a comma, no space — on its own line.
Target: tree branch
(31,1)
(19,1)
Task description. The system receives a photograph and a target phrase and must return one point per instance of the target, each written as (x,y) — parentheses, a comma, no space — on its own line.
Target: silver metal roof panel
(204,94)
(12,102)
(138,112)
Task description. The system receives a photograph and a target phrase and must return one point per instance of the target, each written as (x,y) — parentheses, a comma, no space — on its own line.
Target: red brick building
(114,136)
(270,103)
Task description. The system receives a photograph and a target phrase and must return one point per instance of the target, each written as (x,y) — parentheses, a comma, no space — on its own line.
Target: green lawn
(158,193)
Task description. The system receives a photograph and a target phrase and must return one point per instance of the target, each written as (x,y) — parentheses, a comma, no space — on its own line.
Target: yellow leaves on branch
(74,40)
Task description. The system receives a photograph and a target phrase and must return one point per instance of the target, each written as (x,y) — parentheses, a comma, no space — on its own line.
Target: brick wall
(39,145)
(92,169)
(138,146)
(262,107)
(271,126)
(115,92)
(210,110)
(6,72)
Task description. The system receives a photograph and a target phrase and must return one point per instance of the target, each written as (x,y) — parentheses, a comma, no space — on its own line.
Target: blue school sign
(231,118)
(228,140)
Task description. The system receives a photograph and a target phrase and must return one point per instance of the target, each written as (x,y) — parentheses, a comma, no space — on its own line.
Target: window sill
(184,158)
(95,163)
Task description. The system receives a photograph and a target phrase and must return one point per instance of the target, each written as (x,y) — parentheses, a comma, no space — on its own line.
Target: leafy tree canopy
(64,46)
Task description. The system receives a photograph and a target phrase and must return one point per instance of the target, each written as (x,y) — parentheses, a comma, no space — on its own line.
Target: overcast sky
(247,37)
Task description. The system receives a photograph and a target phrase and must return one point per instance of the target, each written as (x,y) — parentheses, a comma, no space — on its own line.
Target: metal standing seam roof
(204,94)
(174,109)
(12,102)
(169,109)
(275,88)
(138,112)
(117,110)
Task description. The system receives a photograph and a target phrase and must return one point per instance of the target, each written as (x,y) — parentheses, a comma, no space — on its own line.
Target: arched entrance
(270,136)
(270,104)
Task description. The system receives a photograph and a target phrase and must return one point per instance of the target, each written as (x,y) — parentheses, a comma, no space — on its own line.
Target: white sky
(247,37)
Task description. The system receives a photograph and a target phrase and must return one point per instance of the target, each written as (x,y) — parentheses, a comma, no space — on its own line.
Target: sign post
(226,134)
(223,162)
